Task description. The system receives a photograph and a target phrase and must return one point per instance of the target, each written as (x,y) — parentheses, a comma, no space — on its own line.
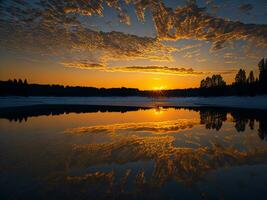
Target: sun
(158,88)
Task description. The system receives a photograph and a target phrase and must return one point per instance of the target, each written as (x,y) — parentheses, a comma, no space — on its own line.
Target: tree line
(243,85)
(22,88)
(210,86)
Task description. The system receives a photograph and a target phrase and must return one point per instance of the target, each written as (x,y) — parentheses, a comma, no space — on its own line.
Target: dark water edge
(24,112)
(212,116)
(21,113)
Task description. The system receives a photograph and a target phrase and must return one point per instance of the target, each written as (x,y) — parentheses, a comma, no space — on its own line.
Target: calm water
(131,153)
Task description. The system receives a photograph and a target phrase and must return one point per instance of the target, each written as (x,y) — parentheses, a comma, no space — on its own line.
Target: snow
(257,102)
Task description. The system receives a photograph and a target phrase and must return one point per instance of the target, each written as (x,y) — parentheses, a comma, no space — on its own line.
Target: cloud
(229,55)
(83,65)
(161,70)
(141,69)
(88,8)
(246,8)
(192,22)
(178,71)
(118,45)
(192,54)
(201,60)
(230,62)
(54,28)
(188,47)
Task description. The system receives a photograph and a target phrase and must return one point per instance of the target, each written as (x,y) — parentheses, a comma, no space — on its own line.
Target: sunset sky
(146,44)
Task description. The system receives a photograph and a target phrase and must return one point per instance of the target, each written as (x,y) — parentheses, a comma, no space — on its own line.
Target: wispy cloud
(201,60)
(192,22)
(188,47)
(141,69)
(178,71)
(54,28)
(230,62)
(189,22)
(192,54)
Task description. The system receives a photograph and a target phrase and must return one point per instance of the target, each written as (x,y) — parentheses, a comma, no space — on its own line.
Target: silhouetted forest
(210,86)
(243,84)
(22,88)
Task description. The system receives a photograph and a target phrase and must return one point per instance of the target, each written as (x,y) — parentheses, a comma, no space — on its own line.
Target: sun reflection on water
(158,111)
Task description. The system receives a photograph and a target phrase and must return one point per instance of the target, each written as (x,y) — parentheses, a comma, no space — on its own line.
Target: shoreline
(255,102)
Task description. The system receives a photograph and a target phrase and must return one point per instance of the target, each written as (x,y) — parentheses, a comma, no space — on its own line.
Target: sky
(145,44)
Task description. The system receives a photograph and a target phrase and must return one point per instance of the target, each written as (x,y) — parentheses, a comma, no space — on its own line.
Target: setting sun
(159,88)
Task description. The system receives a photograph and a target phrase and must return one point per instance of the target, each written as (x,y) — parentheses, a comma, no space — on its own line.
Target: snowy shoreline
(256,102)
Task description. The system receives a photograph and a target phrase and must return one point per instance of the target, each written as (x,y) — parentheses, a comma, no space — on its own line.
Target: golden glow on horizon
(159,88)
(49,74)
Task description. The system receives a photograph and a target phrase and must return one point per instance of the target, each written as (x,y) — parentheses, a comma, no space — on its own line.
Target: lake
(116,152)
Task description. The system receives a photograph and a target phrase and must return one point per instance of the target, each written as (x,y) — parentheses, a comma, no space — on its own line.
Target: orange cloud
(144,69)
(141,69)
(54,28)
(192,22)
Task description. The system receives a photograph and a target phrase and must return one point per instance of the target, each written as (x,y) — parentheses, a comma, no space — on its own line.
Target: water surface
(104,152)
